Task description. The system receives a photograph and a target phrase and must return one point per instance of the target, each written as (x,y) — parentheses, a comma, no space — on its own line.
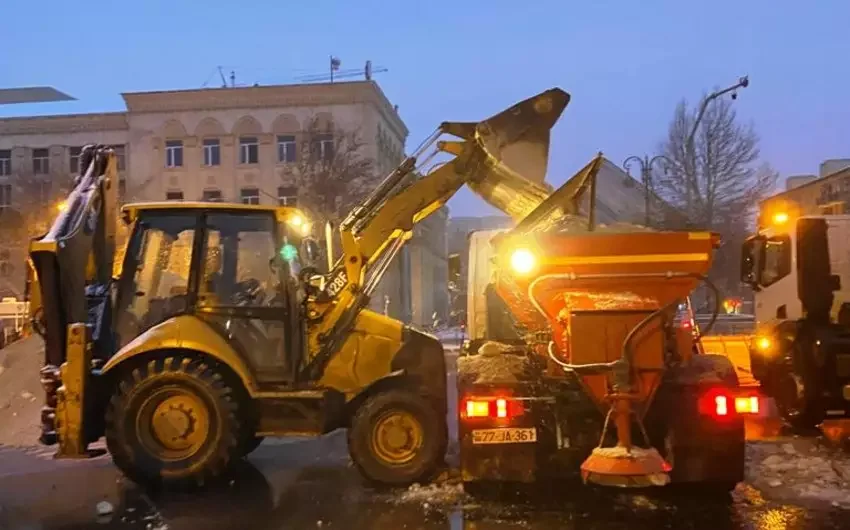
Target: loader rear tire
(173,422)
(251,444)
(397,438)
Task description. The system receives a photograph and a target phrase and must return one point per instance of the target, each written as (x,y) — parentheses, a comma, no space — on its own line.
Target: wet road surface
(309,484)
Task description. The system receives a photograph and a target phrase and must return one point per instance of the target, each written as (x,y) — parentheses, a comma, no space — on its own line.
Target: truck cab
(770,264)
(799,268)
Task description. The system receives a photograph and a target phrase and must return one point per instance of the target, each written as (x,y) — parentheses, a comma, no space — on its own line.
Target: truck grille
(842,365)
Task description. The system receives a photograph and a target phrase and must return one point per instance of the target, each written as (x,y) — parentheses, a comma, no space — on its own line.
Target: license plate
(504,436)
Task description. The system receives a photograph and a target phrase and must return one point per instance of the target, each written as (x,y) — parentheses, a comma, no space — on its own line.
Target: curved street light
(646,165)
(743,82)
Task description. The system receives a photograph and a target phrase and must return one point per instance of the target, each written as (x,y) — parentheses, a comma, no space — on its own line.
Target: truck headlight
(523,261)
(764,344)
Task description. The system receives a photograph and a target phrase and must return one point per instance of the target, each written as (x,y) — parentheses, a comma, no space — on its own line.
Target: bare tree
(717,184)
(34,201)
(332,172)
(720,181)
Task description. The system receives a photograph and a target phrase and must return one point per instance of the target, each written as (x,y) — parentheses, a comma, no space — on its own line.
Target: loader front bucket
(511,152)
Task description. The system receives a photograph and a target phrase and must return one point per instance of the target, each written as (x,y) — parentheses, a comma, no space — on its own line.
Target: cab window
(156,273)
(777,259)
(239,261)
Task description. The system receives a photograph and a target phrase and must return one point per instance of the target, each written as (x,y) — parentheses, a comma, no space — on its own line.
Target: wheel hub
(397,437)
(179,423)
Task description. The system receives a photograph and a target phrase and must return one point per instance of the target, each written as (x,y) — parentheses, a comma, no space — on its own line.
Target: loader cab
(235,267)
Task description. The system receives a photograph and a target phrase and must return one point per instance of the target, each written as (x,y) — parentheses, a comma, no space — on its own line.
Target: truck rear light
(721,407)
(722,404)
(477,409)
(747,405)
(486,407)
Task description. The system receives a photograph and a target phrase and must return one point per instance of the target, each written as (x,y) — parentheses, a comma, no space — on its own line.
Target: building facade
(221,144)
(828,194)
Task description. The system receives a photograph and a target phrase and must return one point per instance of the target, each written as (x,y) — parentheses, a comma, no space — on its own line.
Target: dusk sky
(625,63)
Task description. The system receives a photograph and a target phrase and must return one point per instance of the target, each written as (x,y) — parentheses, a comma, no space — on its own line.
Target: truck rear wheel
(707,454)
(173,421)
(397,438)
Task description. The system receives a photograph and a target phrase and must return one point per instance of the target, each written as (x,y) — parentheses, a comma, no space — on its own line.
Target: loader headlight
(301,224)
(523,261)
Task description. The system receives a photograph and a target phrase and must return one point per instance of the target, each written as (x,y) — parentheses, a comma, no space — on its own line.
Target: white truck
(800,271)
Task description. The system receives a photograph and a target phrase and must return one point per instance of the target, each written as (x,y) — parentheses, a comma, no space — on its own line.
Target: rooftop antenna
(335,73)
(223,80)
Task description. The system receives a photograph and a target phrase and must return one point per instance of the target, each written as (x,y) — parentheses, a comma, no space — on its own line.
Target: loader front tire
(173,422)
(397,438)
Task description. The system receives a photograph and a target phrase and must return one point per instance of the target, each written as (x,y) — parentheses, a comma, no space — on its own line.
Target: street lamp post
(646,164)
(690,176)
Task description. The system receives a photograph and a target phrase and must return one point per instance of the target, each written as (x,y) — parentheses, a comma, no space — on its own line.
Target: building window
(120,155)
(249,150)
(322,147)
(74,159)
(174,153)
(44,189)
(212,196)
(212,152)
(287,196)
(250,195)
(286,149)
(40,161)
(174,196)
(5,162)
(5,196)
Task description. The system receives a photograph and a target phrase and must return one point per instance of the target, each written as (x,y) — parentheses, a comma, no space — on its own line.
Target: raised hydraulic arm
(375,232)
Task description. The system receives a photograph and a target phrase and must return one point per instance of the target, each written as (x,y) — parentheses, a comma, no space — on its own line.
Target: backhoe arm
(71,269)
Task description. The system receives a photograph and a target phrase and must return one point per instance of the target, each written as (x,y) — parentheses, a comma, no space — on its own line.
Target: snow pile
(575,225)
(437,494)
(495,363)
(808,471)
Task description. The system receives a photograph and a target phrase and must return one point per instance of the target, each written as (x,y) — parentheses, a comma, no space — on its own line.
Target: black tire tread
(432,425)
(175,367)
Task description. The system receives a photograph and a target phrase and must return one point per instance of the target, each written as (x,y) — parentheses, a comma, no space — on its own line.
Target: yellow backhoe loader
(221,328)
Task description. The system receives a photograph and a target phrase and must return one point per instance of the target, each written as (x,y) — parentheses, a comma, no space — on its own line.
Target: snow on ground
(436,494)
(801,469)
(21,395)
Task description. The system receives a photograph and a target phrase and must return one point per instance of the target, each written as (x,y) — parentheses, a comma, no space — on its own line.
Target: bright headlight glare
(522,261)
(296,220)
(764,343)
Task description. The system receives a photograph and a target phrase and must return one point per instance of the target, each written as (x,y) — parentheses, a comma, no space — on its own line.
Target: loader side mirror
(454,268)
(310,250)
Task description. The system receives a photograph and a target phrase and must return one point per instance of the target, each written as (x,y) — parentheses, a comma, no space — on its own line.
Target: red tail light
(488,407)
(723,404)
